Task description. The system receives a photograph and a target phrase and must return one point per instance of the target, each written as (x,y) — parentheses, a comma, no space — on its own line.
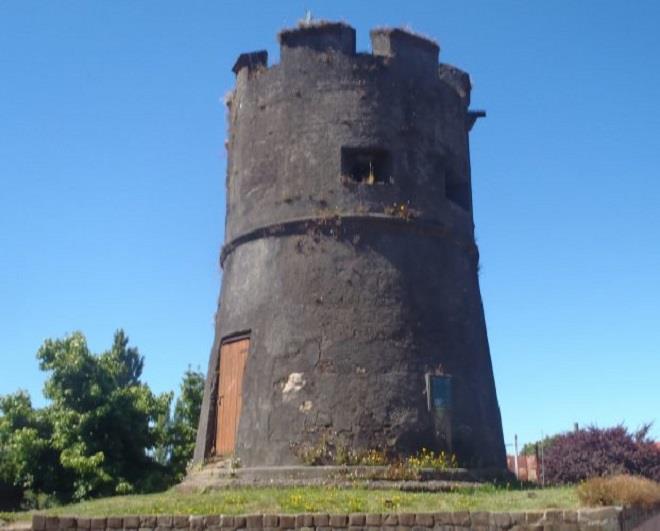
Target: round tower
(350,307)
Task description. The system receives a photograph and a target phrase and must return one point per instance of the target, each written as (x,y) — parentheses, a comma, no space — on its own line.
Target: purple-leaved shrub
(594,452)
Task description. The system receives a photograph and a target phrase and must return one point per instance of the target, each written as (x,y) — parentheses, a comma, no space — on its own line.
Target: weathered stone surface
(407,519)
(598,514)
(271,520)
(212,520)
(373,519)
(254,521)
(532,517)
(181,522)
(146,521)
(338,520)
(390,520)
(445,518)
(500,520)
(424,519)
(313,240)
(460,518)
(306,520)
(318,520)
(552,515)
(197,522)
(65,522)
(356,519)
(115,522)
(479,518)
(131,522)
(99,523)
(287,521)
(163,521)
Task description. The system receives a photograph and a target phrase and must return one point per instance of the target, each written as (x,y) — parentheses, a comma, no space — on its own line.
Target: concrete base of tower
(222,475)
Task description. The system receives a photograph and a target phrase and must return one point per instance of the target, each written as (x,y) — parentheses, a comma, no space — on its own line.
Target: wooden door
(232,365)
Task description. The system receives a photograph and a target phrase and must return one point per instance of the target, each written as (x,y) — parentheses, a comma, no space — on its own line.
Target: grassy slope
(317,499)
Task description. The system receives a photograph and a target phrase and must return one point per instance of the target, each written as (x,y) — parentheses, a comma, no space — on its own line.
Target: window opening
(458,193)
(366,165)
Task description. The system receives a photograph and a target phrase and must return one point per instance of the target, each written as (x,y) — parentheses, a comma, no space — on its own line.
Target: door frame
(227,340)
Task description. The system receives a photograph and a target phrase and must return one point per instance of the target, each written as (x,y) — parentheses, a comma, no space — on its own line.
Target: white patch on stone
(294,384)
(305,406)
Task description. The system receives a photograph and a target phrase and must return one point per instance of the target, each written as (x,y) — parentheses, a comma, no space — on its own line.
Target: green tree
(530,448)
(103,432)
(183,429)
(27,460)
(105,420)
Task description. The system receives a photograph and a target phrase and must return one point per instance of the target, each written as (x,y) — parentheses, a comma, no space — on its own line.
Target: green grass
(317,499)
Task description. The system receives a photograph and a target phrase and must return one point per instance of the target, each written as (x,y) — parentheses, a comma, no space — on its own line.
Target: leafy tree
(184,423)
(27,460)
(103,432)
(181,428)
(530,448)
(104,418)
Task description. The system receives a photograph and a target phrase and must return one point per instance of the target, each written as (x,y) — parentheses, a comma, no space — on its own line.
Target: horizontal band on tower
(334,226)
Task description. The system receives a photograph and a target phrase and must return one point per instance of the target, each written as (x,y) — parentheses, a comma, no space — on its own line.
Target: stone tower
(350,304)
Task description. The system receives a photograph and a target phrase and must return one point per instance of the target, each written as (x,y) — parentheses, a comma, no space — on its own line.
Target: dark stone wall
(356,289)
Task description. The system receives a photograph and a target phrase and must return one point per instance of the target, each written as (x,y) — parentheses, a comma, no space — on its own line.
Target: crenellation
(318,36)
(406,48)
(457,80)
(251,61)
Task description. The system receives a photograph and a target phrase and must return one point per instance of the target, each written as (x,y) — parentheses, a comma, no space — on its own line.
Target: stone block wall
(604,518)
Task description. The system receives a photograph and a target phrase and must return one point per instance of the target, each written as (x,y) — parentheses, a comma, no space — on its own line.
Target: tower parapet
(335,37)
(406,47)
(350,266)
(251,61)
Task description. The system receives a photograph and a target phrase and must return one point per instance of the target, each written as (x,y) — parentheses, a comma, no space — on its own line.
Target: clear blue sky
(112,185)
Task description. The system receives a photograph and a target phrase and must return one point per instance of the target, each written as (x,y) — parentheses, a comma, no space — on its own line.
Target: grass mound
(620,490)
(320,499)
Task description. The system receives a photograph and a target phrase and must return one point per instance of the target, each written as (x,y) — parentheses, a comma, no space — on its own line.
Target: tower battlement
(318,36)
(404,46)
(395,47)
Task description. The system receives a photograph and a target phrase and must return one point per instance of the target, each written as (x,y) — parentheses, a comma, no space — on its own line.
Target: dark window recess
(366,165)
(438,391)
(458,193)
